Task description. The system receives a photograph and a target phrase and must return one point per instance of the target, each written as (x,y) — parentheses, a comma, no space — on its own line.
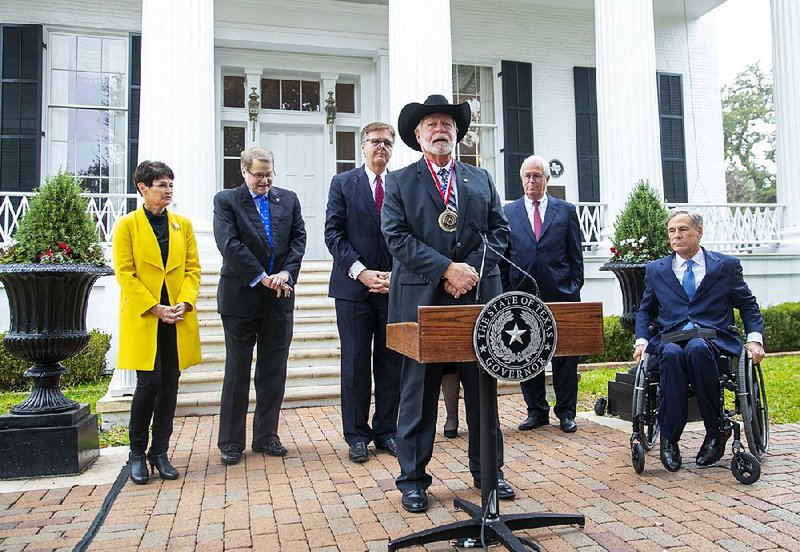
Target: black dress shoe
(389,445)
(568,425)
(358,452)
(230,456)
(712,450)
(670,455)
(415,500)
(532,422)
(161,463)
(138,468)
(273,447)
(504,489)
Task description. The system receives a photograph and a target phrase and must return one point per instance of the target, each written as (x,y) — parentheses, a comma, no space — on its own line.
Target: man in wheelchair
(690,295)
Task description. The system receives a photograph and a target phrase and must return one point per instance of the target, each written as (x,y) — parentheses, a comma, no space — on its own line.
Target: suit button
(458,245)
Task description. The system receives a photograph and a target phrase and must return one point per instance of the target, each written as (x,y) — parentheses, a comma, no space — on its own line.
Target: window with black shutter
(586,134)
(673,147)
(135,74)
(20,107)
(517,121)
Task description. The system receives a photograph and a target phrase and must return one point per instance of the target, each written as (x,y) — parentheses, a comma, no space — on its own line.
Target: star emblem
(516,334)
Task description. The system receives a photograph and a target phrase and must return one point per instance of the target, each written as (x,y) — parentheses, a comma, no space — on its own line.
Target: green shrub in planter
(640,232)
(84,367)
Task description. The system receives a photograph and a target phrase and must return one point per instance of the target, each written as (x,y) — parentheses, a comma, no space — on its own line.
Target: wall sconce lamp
(253,105)
(330,112)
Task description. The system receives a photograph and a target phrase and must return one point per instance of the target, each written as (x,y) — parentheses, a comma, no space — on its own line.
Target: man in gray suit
(434,212)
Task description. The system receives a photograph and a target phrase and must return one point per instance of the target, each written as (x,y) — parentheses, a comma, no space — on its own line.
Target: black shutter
(135,75)
(586,133)
(673,149)
(517,121)
(20,107)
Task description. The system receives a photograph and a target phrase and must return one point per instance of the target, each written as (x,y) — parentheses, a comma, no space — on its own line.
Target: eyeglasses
(261,176)
(376,142)
(532,176)
(163,187)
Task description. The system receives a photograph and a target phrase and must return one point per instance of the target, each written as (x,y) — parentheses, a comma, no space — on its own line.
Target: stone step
(298,358)
(215,342)
(213,326)
(196,381)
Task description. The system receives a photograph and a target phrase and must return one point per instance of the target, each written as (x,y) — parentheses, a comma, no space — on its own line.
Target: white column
(177,101)
(382,80)
(420,60)
(786,77)
(627,101)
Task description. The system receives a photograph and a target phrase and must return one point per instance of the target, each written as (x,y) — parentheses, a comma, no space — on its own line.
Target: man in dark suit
(545,241)
(360,285)
(689,289)
(432,214)
(260,232)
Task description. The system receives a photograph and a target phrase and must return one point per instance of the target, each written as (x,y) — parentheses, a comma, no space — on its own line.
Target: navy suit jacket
(243,242)
(723,288)
(555,261)
(353,233)
(422,251)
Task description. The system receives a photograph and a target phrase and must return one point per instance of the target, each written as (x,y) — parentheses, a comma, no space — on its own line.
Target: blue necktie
(444,174)
(263,210)
(689,286)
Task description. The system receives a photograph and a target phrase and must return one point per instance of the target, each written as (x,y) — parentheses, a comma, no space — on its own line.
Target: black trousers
(156,395)
(565,384)
(416,421)
(272,334)
(362,333)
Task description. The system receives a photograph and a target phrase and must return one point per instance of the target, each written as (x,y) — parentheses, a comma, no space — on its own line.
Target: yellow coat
(140,273)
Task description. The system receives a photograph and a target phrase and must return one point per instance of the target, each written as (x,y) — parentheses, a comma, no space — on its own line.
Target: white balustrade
(739,226)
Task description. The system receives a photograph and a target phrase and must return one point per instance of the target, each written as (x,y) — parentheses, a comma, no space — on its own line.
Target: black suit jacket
(241,239)
(353,233)
(422,251)
(555,261)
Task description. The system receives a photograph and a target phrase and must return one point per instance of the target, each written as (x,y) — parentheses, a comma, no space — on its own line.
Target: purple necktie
(537,221)
(378,193)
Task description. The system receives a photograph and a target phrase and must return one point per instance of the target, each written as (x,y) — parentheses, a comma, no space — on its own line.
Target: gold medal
(448,220)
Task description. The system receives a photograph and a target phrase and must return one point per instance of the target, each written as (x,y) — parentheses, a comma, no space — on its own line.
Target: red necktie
(378,193)
(537,221)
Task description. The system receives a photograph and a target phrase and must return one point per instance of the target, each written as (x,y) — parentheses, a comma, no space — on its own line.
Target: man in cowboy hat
(434,212)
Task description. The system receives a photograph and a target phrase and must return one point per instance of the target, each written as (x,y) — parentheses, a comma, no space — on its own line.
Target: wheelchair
(737,374)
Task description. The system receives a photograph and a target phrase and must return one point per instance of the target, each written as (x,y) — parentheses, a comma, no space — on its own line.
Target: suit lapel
(462,190)
(553,207)
(151,252)
(364,191)
(666,273)
(519,211)
(427,183)
(713,272)
(249,206)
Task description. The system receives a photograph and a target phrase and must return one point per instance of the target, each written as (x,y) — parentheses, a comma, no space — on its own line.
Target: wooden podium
(444,334)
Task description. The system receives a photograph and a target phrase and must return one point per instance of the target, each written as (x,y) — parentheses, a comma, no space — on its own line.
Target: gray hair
(531,159)
(256,153)
(696,219)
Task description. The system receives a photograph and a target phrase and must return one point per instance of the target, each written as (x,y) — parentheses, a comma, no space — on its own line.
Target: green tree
(748,122)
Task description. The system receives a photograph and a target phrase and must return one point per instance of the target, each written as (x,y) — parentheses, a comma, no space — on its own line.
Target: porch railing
(104,209)
(739,226)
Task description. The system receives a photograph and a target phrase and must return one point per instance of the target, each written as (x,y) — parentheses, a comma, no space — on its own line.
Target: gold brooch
(176,226)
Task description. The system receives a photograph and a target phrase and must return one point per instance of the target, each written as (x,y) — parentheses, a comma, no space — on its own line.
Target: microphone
(481,232)
(474,225)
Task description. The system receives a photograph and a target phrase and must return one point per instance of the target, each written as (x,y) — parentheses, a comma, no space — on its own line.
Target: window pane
(270,94)
(233,91)
(346,146)
(62,52)
(114,91)
(87,159)
(343,167)
(58,124)
(290,95)
(466,79)
(232,141)
(62,87)
(89,124)
(310,96)
(58,157)
(232,174)
(114,56)
(89,50)
(88,89)
(345,98)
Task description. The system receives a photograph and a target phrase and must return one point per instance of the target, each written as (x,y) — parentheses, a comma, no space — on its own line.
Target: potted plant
(48,272)
(640,236)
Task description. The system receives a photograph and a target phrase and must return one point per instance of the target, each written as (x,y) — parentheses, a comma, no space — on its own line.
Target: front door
(299,167)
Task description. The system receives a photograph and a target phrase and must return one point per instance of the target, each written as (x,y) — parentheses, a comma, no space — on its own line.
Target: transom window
(87,127)
(475,84)
(290,95)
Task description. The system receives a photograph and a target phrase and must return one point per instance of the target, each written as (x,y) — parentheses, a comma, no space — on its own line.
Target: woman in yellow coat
(156,264)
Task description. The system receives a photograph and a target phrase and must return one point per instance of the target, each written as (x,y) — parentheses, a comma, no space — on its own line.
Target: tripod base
(499,529)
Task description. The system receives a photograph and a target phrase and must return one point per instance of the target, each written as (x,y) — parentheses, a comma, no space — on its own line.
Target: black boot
(138,468)
(161,463)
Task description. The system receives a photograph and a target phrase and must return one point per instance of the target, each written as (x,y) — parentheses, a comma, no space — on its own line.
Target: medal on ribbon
(448,220)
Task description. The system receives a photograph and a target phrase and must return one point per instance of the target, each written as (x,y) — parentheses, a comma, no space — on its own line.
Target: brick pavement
(317,500)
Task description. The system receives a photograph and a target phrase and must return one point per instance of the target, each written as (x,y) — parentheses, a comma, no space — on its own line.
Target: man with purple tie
(693,288)
(359,283)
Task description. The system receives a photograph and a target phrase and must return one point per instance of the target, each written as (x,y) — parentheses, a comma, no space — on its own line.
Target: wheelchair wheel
(637,457)
(753,405)
(745,468)
(645,406)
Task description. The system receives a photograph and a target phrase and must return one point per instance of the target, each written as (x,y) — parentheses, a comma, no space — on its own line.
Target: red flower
(62,245)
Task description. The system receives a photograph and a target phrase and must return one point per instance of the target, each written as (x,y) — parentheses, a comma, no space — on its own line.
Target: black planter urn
(631,282)
(47,433)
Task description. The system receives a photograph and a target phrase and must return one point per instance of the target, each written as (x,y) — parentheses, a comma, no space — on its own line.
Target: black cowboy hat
(413,113)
